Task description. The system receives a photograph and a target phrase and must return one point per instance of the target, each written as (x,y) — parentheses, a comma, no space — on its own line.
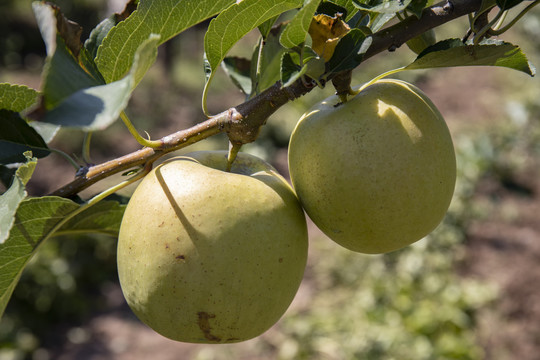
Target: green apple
(376,173)
(209,256)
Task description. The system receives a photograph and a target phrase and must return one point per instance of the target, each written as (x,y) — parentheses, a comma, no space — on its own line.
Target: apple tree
(300,47)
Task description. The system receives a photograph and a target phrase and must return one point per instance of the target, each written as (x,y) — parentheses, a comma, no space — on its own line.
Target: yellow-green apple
(376,173)
(210,256)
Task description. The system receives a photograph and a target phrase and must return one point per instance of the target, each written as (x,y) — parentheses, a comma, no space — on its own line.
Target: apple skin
(209,256)
(376,173)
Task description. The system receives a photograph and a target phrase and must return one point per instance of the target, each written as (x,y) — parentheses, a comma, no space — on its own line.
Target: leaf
(93,108)
(17,137)
(347,8)
(6,175)
(52,24)
(25,171)
(349,51)
(38,219)
(104,217)
(378,20)
(270,61)
(325,32)
(98,34)
(10,200)
(508,4)
(45,130)
(144,58)
(102,29)
(64,74)
(416,7)
(165,18)
(360,20)
(235,22)
(382,6)
(96,107)
(291,69)
(266,26)
(453,52)
(16,97)
(296,31)
(239,70)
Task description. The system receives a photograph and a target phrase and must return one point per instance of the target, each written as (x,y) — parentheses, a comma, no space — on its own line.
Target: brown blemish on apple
(280,260)
(204,324)
(180,257)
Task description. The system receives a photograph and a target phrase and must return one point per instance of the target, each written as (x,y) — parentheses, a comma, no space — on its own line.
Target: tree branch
(394,36)
(243,122)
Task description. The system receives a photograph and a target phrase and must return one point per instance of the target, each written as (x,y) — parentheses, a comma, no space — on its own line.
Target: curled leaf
(325,32)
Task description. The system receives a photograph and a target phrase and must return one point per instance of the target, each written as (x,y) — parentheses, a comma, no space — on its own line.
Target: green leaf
(10,200)
(239,70)
(96,107)
(63,77)
(144,58)
(165,18)
(291,69)
(45,130)
(382,6)
(416,7)
(34,220)
(347,5)
(38,219)
(7,174)
(349,51)
(453,52)
(93,108)
(507,4)
(25,171)
(63,73)
(16,97)
(296,31)
(378,20)
(98,34)
(266,26)
(17,137)
(104,217)
(270,61)
(235,22)
(9,203)
(102,29)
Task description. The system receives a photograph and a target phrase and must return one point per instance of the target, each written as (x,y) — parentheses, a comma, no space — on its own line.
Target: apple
(210,256)
(376,173)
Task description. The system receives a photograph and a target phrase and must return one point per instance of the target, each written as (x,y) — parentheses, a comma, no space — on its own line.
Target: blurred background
(467,291)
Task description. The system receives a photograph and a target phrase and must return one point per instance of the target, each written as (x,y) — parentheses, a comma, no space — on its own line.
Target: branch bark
(243,122)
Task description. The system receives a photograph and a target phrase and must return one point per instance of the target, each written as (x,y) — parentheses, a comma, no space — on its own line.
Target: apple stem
(234,148)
